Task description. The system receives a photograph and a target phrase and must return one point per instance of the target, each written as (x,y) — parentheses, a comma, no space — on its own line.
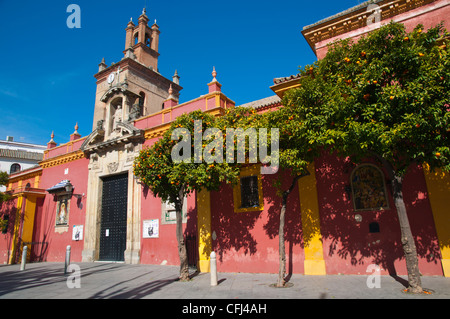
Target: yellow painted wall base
(12,256)
(315,267)
(438,186)
(204,230)
(204,265)
(309,205)
(446,267)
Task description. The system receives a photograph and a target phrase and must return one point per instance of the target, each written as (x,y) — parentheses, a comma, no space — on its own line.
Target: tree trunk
(282,247)
(182,252)
(407,239)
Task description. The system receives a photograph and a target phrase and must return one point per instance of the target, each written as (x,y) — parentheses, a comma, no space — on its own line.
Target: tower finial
(176,78)
(171,96)
(214,74)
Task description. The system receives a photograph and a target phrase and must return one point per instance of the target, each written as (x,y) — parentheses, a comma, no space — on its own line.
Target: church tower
(133,87)
(126,91)
(144,41)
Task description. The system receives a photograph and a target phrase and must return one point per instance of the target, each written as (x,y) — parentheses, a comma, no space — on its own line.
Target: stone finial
(102,65)
(143,17)
(75,135)
(51,143)
(171,96)
(130,23)
(176,78)
(155,26)
(214,86)
(171,100)
(214,74)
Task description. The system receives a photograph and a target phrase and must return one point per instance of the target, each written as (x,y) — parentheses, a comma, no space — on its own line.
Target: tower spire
(144,40)
(51,143)
(214,85)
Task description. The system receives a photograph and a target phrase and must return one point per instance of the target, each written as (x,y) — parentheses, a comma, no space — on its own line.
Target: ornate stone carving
(112,167)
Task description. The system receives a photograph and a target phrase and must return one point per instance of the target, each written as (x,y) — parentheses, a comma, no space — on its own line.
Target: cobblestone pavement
(116,280)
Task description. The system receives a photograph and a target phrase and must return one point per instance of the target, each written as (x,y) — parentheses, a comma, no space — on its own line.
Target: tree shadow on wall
(293,224)
(376,238)
(8,214)
(440,182)
(232,230)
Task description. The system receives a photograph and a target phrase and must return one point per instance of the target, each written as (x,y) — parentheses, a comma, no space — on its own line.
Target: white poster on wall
(151,228)
(77,232)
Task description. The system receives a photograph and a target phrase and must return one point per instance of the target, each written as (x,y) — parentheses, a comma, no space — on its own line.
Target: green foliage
(3,181)
(245,119)
(387,94)
(166,178)
(3,197)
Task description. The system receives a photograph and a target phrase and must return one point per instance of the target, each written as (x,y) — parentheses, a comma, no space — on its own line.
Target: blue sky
(47,69)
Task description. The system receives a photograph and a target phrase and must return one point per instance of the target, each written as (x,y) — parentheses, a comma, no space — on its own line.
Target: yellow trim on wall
(28,222)
(309,205)
(62,159)
(162,128)
(253,170)
(438,186)
(26,204)
(204,230)
(15,236)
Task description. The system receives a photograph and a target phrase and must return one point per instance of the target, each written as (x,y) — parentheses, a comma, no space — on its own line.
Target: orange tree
(386,96)
(172,167)
(3,197)
(297,148)
(3,181)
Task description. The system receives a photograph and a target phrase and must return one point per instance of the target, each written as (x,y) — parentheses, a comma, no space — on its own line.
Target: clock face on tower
(111,78)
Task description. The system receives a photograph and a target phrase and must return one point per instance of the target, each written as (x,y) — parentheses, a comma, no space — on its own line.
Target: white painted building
(18,156)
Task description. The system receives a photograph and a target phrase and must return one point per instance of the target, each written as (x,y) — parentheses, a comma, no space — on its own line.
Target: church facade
(84,195)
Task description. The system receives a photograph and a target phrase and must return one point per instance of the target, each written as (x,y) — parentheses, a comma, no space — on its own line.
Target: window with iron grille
(249,192)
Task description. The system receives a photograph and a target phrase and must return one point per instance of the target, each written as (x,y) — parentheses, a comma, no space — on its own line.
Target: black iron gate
(113,227)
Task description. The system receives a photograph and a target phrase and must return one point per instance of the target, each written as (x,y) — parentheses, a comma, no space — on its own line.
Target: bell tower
(132,87)
(127,90)
(144,41)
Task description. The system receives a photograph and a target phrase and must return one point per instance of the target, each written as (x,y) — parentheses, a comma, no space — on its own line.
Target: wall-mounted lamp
(69,189)
(64,187)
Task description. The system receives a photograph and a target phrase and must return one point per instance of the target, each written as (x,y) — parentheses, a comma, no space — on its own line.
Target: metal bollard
(67,262)
(24,257)
(213,267)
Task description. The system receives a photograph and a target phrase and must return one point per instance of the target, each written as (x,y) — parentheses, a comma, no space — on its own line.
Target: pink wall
(248,241)
(163,118)
(164,248)
(349,247)
(7,208)
(44,229)
(65,148)
(429,16)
